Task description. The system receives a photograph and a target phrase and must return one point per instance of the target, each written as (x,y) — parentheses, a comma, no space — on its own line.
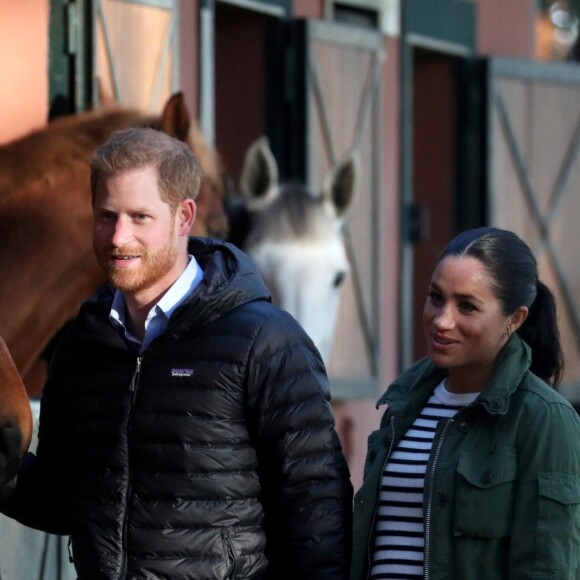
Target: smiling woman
(480,412)
(465,325)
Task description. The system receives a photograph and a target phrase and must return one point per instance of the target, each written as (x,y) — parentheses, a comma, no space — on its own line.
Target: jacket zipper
(133,391)
(427,530)
(372,527)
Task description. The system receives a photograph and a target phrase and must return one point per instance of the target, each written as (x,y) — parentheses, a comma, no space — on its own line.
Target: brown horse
(46,258)
(15,417)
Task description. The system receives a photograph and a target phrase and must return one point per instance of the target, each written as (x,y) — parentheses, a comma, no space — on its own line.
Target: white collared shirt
(158,317)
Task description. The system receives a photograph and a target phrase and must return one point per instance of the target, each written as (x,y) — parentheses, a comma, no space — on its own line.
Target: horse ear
(340,185)
(175,119)
(259,175)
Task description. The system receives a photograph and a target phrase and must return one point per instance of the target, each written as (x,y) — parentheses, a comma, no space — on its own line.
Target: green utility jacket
(502,488)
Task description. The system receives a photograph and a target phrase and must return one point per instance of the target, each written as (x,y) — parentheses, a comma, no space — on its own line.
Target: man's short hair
(179,172)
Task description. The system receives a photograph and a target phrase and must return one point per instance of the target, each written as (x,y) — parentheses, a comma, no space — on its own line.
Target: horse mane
(208,157)
(212,219)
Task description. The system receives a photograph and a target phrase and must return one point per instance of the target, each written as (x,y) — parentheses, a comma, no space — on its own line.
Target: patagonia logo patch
(181,372)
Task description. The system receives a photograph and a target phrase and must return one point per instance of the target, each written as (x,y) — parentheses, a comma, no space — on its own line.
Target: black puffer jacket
(211,455)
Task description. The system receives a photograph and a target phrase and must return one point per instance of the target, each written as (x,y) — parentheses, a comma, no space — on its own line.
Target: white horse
(295,237)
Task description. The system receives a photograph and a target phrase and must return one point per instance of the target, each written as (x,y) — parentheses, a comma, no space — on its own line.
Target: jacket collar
(408,394)
(230,279)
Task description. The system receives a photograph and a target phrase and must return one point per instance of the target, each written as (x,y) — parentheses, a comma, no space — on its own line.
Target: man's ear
(185,216)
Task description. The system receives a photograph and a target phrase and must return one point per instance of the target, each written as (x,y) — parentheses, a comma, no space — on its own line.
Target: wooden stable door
(434,169)
(437,37)
(343,71)
(534,180)
(136,52)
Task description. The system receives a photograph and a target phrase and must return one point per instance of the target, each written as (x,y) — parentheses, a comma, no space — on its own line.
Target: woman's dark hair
(513,272)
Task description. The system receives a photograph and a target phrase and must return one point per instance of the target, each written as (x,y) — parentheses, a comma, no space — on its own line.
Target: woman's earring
(509,331)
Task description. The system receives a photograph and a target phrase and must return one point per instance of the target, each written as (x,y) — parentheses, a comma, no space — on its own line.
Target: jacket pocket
(561,488)
(559,509)
(485,494)
(558,533)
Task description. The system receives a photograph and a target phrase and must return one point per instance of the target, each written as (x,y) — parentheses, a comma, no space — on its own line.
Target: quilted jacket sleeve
(306,490)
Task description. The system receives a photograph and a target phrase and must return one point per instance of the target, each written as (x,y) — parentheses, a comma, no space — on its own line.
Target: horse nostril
(339,279)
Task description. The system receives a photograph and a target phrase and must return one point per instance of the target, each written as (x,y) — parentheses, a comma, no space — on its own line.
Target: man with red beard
(185,428)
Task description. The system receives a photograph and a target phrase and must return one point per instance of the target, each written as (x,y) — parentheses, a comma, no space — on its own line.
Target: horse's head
(295,237)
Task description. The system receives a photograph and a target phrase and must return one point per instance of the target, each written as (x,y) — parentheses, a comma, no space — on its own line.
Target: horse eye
(339,279)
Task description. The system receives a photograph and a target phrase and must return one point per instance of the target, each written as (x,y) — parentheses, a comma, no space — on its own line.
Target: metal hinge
(418,223)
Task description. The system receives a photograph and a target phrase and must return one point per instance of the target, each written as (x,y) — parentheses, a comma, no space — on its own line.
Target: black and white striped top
(399,531)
